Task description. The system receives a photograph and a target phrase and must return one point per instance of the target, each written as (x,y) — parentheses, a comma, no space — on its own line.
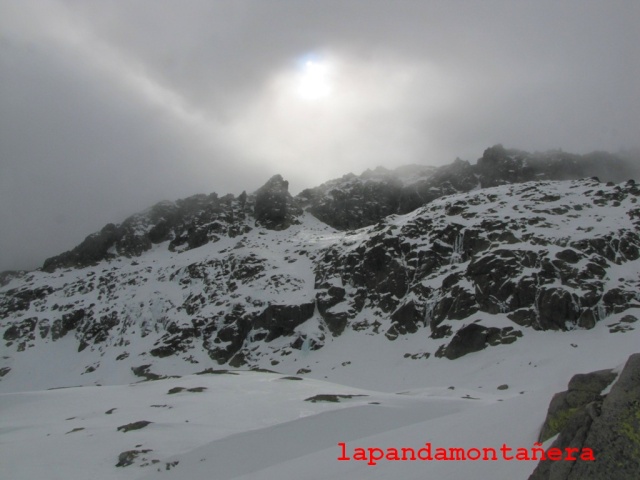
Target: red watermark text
(373,455)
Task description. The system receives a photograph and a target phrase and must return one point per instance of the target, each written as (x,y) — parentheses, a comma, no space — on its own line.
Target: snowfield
(258,425)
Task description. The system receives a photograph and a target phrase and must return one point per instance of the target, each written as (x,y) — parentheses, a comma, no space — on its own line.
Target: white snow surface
(257,425)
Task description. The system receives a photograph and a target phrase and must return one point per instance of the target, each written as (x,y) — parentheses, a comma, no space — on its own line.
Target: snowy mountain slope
(454,318)
(463,272)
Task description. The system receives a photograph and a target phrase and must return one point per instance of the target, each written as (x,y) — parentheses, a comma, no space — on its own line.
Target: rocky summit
(419,268)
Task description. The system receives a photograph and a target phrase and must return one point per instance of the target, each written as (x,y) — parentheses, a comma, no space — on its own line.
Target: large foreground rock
(610,427)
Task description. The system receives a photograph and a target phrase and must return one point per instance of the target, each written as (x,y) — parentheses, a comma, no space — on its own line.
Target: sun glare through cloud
(314,81)
(320,113)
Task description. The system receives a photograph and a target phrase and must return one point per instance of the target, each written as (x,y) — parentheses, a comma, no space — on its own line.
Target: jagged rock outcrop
(353,202)
(347,203)
(583,390)
(608,424)
(186,224)
(274,206)
(280,320)
(499,262)
(475,337)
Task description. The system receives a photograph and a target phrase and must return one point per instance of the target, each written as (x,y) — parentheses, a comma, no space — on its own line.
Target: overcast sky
(107,107)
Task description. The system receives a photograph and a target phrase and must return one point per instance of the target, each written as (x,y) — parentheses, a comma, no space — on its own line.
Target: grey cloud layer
(109,107)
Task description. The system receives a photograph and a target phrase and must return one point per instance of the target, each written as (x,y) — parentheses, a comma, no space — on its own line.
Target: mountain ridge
(552,255)
(448,320)
(349,202)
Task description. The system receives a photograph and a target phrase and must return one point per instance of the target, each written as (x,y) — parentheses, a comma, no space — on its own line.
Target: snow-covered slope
(456,322)
(510,260)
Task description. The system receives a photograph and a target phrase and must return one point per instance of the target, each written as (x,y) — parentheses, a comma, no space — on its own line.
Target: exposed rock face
(353,202)
(128,458)
(326,299)
(475,337)
(280,320)
(186,224)
(500,165)
(94,249)
(449,263)
(583,389)
(274,207)
(608,426)
(347,203)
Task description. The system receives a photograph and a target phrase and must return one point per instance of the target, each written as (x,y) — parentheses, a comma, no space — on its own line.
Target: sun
(314,80)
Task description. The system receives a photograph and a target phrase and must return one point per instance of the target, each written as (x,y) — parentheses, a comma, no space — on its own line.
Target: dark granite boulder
(607,425)
(475,337)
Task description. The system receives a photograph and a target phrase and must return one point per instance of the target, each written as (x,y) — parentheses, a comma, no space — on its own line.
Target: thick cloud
(109,107)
